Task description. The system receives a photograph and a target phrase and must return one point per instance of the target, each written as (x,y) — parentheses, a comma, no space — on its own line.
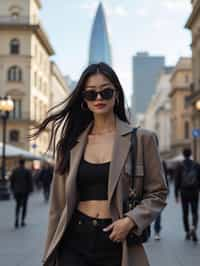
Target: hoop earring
(84,106)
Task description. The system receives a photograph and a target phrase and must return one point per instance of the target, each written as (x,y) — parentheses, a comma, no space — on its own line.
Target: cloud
(176,4)
(120,11)
(90,7)
(142,12)
(111,10)
(160,24)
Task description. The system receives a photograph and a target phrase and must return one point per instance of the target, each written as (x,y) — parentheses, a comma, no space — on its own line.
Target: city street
(24,247)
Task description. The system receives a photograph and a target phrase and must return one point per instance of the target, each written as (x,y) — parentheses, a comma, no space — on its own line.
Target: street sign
(34,145)
(196,132)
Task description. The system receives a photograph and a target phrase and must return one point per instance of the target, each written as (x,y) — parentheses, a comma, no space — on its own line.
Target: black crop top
(92,180)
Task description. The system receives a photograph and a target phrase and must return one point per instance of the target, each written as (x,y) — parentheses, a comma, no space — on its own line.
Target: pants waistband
(83,218)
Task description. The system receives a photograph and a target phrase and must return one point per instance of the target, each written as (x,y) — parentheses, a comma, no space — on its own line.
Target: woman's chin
(102,112)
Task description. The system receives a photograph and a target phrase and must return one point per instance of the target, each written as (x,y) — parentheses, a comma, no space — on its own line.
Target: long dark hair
(69,118)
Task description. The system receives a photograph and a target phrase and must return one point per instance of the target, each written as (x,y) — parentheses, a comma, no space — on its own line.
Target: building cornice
(182,66)
(38,2)
(56,71)
(193,15)
(41,34)
(37,29)
(177,88)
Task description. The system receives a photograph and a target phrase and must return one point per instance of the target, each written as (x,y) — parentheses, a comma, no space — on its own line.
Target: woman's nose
(99,96)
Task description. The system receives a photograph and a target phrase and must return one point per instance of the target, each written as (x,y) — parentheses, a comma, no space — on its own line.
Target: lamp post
(6,106)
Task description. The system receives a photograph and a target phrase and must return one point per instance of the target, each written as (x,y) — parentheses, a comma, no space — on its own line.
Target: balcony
(33,23)
(14,20)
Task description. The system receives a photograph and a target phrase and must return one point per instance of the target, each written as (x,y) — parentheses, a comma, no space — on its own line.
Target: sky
(155,26)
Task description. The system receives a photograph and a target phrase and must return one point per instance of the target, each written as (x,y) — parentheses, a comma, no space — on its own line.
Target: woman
(87,225)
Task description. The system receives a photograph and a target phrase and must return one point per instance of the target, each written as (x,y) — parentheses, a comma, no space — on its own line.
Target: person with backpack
(187,184)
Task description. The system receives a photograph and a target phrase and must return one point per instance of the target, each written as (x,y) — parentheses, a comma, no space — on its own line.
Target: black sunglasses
(91,95)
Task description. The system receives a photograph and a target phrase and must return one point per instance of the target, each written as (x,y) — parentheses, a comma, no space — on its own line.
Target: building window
(40,84)
(35,79)
(14,46)
(14,73)
(14,135)
(36,51)
(187,130)
(35,108)
(17,111)
(186,78)
(15,15)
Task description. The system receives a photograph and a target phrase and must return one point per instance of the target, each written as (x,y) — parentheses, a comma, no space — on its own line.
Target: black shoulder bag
(134,199)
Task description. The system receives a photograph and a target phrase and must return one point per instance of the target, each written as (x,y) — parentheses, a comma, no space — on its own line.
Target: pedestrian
(44,178)
(187,183)
(87,225)
(158,221)
(21,186)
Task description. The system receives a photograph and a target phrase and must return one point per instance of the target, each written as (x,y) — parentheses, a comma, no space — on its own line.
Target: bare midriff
(95,208)
(98,150)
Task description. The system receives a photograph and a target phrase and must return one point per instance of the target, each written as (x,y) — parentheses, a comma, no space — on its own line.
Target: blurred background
(154,47)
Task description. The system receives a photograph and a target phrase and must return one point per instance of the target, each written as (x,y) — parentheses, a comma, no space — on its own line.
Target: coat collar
(122,128)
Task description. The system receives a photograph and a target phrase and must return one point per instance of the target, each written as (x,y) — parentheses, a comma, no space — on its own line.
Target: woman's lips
(100,105)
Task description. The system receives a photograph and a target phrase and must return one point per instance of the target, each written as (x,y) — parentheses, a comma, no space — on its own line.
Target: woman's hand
(120,229)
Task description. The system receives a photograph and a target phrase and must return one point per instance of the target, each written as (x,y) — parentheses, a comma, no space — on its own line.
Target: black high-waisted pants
(85,244)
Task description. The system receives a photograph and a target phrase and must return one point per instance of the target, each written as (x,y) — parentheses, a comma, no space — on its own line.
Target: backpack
(189,177)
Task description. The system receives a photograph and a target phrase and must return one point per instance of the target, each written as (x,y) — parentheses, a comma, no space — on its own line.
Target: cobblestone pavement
(24,247)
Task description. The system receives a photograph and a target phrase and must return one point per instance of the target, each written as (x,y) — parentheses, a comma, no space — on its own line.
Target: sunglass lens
(90,95)
(107,94)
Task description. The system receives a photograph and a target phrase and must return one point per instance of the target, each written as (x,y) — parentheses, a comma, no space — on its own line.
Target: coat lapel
(120,152)
(75,157)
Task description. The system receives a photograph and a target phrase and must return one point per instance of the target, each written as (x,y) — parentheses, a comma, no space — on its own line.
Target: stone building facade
(26,72)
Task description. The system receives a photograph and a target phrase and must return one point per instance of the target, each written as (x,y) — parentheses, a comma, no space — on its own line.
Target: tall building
(180,113)
(157,116)
(193,24)
(27,74)
(146,71)
(100,50)
(70,82)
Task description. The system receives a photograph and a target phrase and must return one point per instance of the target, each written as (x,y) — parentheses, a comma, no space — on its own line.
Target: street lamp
(197,105)
(6,106)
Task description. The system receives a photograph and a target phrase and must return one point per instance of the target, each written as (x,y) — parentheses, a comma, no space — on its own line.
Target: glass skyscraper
(100,50)
(146,71)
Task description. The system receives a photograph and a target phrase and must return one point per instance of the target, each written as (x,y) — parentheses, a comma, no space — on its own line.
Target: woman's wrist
(130,222)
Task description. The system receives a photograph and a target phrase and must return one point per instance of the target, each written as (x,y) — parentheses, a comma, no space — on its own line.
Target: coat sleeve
(57,204)
(177,180)
(155,188)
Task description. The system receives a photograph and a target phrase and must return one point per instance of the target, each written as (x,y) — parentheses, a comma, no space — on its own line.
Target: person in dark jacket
(44,178)
(21,186)
(187,184)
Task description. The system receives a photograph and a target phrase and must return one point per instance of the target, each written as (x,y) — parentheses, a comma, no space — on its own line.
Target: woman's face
(99,94)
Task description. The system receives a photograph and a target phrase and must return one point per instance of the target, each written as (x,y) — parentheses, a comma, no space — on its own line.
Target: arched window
(16,113)
(14,74)
(14,136)
(14,46)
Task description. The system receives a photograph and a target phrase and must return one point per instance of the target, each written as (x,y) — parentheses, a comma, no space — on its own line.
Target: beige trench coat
(63,199)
